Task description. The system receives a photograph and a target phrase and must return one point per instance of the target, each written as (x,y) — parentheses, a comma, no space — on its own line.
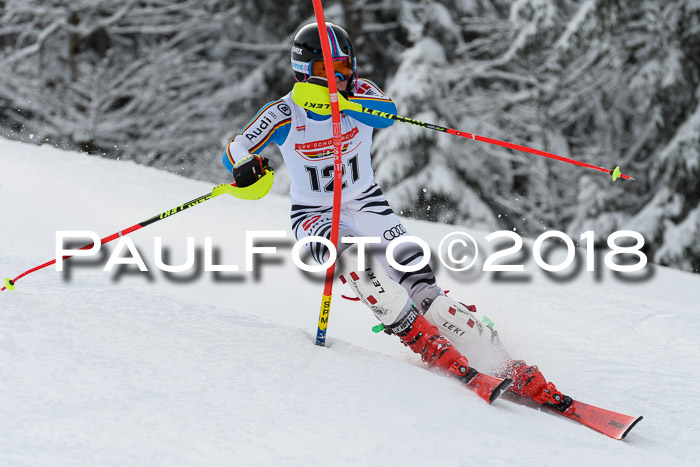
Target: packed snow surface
(202,368)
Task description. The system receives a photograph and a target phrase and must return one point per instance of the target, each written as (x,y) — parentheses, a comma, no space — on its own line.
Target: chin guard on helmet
(313,95)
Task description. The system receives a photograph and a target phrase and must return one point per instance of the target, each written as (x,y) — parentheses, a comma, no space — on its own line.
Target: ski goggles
(345,67)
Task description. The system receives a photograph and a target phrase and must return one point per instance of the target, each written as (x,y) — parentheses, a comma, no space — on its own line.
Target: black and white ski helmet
(306,48)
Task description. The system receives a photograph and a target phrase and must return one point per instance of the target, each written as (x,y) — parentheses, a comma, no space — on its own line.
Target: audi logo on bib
(394,232)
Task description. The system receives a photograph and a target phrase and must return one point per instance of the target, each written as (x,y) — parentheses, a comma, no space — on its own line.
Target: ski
(613,424)
(489,388)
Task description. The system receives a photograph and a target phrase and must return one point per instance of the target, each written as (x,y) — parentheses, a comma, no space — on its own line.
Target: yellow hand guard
(255,191)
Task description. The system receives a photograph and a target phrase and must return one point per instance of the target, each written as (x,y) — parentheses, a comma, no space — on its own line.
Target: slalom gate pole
(316,99)
(9,284)
(337,170)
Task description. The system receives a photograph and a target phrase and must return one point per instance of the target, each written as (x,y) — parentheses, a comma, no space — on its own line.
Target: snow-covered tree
(606,82)
(153,81)
(609,82)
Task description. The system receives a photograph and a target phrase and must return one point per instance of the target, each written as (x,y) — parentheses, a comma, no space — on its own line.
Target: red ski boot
(529,382)
(423,337)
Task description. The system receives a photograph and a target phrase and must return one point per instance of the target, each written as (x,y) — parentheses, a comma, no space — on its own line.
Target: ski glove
(250,169)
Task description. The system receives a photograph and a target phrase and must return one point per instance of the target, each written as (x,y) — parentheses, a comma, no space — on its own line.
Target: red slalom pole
(337,171)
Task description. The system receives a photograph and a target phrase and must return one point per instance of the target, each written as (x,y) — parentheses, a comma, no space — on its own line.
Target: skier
(409,304)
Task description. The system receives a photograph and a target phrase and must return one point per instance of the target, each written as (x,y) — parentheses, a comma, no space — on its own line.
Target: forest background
(167,83)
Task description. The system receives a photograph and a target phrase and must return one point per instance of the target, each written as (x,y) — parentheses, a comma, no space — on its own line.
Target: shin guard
(387,299)
(469,335)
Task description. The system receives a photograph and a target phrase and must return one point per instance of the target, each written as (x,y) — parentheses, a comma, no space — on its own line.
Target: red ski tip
(489,388)
(629,428)
(500,389)
(613,424)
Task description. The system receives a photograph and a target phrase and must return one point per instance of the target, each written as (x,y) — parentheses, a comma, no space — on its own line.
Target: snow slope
(153,369)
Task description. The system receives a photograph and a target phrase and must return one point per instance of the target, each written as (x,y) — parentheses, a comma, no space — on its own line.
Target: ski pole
(231,189)
(315,97)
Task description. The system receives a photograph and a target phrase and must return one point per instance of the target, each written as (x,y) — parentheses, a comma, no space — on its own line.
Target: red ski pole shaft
(10,283)
(518,147)
(316,98)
